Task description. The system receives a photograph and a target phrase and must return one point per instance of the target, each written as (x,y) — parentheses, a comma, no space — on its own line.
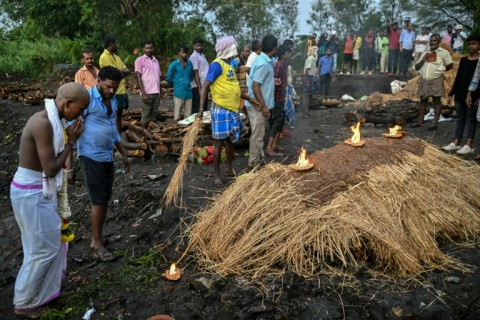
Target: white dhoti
(40,276)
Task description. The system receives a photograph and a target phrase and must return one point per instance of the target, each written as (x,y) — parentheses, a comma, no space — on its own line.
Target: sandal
(432,128)
(103,255)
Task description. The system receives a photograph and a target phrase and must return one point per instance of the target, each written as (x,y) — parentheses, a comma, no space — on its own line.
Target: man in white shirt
(458,37)
(421,44)
(256,49)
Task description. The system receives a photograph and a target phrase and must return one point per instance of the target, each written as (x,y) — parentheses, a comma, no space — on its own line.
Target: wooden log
(141,131)
(161,149)
(136,153)
(165,139)
(132,136)
(369,118)
(132,145)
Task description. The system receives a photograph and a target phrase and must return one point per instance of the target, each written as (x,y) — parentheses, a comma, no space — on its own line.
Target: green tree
(287,13)
(439,13)
(343,15)
(395,10)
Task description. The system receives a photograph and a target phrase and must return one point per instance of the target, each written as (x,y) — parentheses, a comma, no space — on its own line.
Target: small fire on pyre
(355,139)
(395,132)
(302,163)
(173,273)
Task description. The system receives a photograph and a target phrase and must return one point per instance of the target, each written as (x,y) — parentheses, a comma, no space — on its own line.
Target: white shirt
(250,60)
(458,43)
(419,48)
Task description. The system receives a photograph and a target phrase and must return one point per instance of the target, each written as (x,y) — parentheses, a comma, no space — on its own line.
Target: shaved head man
(33,193)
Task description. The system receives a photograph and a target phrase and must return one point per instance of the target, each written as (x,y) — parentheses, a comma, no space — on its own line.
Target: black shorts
(98,179)
(347,57)
(122,101)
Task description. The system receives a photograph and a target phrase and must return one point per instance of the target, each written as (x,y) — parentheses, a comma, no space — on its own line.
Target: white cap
(334,32)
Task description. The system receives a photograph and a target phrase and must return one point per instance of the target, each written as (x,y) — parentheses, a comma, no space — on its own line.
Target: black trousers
(393,60)
(325,83)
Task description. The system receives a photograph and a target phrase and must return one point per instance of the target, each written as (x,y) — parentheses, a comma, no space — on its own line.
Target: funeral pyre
(384,205)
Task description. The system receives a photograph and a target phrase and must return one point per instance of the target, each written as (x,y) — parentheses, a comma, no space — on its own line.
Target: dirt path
(147,241)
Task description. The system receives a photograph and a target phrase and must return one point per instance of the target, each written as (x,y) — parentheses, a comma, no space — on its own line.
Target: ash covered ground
(132,287)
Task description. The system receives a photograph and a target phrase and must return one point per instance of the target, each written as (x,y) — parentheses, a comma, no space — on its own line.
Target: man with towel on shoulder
(227,127)
(33,192)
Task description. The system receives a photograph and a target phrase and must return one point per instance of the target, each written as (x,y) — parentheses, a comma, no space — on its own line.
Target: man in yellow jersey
(226,123)
(109,58)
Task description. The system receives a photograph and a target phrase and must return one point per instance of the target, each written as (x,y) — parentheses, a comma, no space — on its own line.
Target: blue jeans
(310,84)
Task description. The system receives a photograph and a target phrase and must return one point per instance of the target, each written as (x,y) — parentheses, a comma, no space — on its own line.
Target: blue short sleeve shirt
(100,131)
(262,72)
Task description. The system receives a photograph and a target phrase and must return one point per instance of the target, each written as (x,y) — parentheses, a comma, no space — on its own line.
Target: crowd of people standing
(389,50)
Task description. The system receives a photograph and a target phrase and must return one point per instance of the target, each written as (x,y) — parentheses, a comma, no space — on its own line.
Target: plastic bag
(346,97)
(397,86)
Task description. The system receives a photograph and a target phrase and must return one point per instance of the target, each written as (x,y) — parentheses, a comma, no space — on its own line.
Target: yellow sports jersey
(225,89)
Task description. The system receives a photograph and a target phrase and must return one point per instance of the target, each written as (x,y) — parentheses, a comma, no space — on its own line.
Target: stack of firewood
(377,110)
(161,137)
(23,93)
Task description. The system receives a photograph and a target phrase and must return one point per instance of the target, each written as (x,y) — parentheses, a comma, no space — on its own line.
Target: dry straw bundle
(173,193)
(267,223)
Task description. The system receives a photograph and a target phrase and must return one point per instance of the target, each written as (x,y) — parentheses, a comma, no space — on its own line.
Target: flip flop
(432,128)
(103,255)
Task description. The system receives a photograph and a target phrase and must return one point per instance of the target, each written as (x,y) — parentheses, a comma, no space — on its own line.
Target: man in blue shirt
(180,77)
(407,46)
(95,152)
(261,87)
(326,72)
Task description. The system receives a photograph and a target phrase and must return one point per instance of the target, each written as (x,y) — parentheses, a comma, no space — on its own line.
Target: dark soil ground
(147,240)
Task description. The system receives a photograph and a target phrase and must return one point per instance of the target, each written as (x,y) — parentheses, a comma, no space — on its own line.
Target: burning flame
(302,159)
(393,131)
(172,269)
(356,133)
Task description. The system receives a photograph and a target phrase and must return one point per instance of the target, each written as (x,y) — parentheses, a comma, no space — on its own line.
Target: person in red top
(368,53)
(394,47)
(348,52)
(277,115)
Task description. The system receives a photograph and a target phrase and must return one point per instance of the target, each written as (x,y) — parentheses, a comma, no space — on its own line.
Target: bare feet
(30,313)
(94,245)
(229,173)
(272,153)
(277,149)
(218,181)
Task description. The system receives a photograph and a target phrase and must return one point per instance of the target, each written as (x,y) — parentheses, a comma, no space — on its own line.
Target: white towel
(51,186)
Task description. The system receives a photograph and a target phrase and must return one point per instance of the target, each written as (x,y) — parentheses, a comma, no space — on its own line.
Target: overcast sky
(304,7)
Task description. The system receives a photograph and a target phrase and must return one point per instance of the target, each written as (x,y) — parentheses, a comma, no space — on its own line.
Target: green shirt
(382,45)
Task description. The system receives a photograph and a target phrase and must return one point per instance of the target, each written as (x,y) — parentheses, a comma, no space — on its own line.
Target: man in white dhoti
(33,193)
